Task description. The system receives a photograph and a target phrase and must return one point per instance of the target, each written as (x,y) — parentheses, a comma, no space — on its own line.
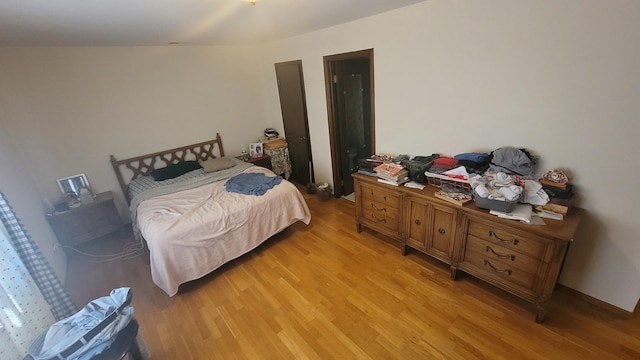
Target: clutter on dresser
(417,166)
(512,160)
(501,181)
(497,190)
(392,174)
(555,183)
(366,166)
(454,195)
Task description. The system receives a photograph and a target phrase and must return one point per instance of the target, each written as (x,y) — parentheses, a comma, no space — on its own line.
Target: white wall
(68,109)
(23,195)
(559,78)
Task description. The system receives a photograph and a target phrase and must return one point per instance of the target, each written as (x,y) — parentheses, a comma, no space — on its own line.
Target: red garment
(446,161)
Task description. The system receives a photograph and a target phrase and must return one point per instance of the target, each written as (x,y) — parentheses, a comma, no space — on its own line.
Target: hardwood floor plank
(324,291)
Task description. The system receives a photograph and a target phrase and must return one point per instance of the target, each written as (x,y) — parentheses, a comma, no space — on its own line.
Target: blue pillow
(175,170)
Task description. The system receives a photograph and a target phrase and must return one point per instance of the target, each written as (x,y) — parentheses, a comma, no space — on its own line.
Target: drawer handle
(511,257)
(441,231)
(378,209)
(385,198)
(371,192)
(417,221)
(508,271)
(384,221)
(514,241)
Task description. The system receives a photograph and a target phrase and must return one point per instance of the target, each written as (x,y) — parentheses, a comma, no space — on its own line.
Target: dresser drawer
(381,197)
(87,222)
(493,253)
(531,245)
(379,207)
(499,271)
(381,215)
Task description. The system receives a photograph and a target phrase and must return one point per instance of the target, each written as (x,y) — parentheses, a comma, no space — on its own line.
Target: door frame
(334,141)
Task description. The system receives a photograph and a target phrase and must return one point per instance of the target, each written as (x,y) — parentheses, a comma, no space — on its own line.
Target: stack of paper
(520,212)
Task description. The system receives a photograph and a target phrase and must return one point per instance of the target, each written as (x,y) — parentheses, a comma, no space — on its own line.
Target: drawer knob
(384,209)
(514,241)
(385,198)
(441,231)
(501,256)
(417,221)
(384,221)
(508,271)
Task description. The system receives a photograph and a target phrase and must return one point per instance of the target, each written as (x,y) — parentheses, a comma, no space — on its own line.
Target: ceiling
(162,22)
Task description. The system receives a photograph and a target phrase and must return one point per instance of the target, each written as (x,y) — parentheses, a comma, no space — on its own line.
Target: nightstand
(264,161)
(87,222)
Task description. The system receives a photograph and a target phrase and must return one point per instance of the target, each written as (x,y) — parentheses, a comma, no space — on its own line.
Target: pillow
(175,170)
(217,164)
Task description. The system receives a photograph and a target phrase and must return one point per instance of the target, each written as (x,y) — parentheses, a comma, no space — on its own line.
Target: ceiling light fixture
(253,2)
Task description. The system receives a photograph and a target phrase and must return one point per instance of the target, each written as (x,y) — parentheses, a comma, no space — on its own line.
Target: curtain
(32,297)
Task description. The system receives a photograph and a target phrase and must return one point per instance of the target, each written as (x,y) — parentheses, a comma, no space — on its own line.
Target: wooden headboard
(143,165)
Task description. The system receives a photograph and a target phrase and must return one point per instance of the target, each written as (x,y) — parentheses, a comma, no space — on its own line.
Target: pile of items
(271,140)
(500,181)
(556,184)
(392,174)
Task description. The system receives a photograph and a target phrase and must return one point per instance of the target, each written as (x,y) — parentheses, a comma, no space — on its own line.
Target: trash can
(324,191)
(311,188)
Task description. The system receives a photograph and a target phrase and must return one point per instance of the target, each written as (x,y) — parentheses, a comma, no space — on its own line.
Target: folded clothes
(447,161)
(496,195)
(502,179)
(481,190)
(511,193)
(473,156)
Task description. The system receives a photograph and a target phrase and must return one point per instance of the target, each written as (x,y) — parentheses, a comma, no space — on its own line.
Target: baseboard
(601,304)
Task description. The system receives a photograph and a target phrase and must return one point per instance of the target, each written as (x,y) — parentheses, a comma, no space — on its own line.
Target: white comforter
(193,232)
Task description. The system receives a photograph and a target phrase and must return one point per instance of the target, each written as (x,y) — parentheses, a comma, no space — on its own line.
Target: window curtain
(32,297)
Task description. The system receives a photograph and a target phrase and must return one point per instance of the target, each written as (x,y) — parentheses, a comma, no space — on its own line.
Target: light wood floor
(324,291)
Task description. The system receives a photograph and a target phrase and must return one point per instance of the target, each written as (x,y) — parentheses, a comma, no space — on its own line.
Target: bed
(191,224)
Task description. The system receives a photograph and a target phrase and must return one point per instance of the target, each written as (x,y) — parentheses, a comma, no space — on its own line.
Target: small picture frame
(256,150)
(73,184)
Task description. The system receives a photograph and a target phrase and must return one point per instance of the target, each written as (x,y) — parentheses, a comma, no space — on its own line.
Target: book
(556,208)
(394,183)
(543,213)
(388,169)
(454,197)
(414,185)
(399,176)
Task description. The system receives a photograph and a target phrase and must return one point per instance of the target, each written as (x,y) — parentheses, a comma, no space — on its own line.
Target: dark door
(294,116)
(351,114)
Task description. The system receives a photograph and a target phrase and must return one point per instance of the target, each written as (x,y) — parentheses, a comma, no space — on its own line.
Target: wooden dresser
(264,161)
(522,259)
(86,222)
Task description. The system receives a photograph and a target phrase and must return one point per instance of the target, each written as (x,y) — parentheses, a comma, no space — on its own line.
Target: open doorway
(350,104)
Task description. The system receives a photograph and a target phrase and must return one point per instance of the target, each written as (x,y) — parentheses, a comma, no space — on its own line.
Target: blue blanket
(252,183)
